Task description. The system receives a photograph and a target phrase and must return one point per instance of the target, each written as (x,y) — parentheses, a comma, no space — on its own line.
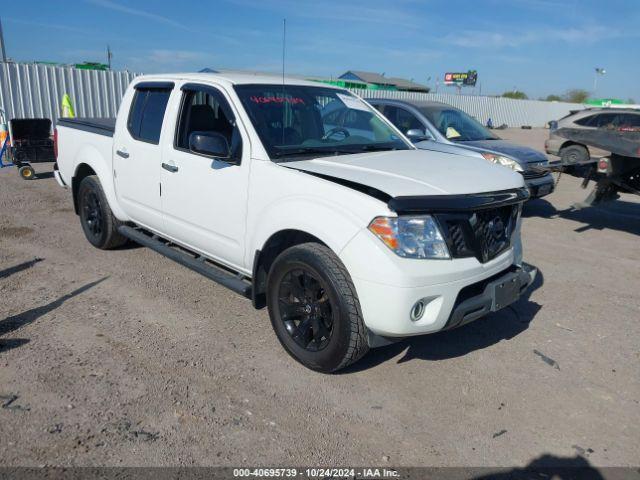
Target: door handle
(170,168)
(122,154)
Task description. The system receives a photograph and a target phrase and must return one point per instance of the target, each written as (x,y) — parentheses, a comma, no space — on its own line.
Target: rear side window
(604,120)
(585,121)
(147,114)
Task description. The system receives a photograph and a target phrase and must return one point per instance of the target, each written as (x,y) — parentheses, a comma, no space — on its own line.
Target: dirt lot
(125,358)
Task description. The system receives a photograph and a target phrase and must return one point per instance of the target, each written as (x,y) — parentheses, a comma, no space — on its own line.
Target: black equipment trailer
(619,172)
(31,142)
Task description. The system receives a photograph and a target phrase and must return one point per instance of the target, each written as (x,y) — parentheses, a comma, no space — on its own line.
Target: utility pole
(109,56)
(4,52)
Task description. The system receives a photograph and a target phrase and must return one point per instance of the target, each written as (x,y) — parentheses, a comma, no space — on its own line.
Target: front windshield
(294,121)
(456,125)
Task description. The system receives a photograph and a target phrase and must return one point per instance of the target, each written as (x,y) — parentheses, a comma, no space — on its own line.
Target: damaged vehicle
(351,236)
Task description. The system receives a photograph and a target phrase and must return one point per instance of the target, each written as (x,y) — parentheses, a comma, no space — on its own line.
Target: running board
(195,262)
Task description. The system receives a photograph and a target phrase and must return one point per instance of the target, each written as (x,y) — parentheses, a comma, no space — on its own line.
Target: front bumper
(389,287)
(540,186)
(497,293)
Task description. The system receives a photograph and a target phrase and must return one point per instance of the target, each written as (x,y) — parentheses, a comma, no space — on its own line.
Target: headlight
(411,236)
(504,161)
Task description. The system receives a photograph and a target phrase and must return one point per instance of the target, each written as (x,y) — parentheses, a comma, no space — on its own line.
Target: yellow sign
(67,107)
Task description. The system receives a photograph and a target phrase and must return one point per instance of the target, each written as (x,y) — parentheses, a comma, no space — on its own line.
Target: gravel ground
(125,358)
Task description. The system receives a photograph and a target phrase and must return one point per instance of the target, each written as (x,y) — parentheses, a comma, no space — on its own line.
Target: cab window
(206,110)
(147,114)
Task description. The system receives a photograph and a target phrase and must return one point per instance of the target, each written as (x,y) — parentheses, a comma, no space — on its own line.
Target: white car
(351,240)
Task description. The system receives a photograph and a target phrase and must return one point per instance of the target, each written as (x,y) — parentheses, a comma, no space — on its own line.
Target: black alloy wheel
(305,309)
(99,224)
(314,308)
(92,213)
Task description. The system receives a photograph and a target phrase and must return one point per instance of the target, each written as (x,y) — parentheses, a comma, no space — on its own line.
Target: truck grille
(483,234)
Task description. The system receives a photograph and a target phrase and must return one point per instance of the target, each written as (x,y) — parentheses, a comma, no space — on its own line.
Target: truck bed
(101,126)
(85,140)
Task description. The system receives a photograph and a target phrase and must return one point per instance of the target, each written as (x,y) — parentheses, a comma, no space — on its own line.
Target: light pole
(599,71)
(3,52)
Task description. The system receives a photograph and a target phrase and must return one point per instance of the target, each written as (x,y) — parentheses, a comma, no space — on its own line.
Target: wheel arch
(83,170)
(264,258)
(90,161)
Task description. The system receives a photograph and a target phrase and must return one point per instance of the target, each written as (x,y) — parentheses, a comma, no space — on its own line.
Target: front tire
(314,308)
(97,220)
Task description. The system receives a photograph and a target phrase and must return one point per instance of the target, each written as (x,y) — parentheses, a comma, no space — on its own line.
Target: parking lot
(126,358)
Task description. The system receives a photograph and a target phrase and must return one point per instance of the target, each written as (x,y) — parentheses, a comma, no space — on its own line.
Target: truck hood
(522,154)
(414,172)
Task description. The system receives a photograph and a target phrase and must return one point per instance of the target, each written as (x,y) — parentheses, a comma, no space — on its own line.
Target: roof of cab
(233,78)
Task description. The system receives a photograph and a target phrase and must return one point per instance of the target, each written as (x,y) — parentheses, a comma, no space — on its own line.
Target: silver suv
(588,119)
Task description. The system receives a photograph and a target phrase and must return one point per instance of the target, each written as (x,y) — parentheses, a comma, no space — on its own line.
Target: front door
(204,199)
(138,154)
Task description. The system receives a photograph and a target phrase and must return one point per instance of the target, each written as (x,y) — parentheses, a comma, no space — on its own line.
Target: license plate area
(504,291)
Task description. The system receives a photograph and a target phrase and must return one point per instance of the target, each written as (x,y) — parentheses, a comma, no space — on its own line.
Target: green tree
(516,94)
(553,98)
(576,95)
(631,101)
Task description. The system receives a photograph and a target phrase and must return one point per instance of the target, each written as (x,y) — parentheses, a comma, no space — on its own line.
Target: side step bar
(196,263)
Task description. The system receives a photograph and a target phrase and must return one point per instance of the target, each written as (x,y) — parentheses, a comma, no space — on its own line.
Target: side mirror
(212,144)
(417,135)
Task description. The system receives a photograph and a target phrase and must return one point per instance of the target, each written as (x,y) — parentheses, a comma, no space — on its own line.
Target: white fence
(36,91)
(32,90)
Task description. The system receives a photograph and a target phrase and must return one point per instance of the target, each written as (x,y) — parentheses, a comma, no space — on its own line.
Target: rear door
(204,199)
(138,154)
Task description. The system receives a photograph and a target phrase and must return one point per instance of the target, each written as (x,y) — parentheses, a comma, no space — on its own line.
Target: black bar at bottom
(210,271)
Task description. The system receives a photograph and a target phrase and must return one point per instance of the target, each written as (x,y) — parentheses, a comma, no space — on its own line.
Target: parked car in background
(589,119)
(350,236)
(440,127)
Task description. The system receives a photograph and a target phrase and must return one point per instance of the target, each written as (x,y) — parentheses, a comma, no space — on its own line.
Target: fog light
(417,311)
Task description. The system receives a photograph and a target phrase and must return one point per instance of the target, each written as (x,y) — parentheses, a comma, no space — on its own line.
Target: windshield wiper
(311,150)
(376,148)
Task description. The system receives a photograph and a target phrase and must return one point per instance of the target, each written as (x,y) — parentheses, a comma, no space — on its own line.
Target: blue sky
(538,46)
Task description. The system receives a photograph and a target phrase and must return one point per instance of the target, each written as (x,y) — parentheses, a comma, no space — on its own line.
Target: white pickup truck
(349,235)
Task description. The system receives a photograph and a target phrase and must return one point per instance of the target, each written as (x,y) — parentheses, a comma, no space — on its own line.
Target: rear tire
(574,154)
(314,308)
(97,220)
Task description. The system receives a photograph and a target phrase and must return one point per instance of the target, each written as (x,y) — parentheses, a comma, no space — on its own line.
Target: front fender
(326,220)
